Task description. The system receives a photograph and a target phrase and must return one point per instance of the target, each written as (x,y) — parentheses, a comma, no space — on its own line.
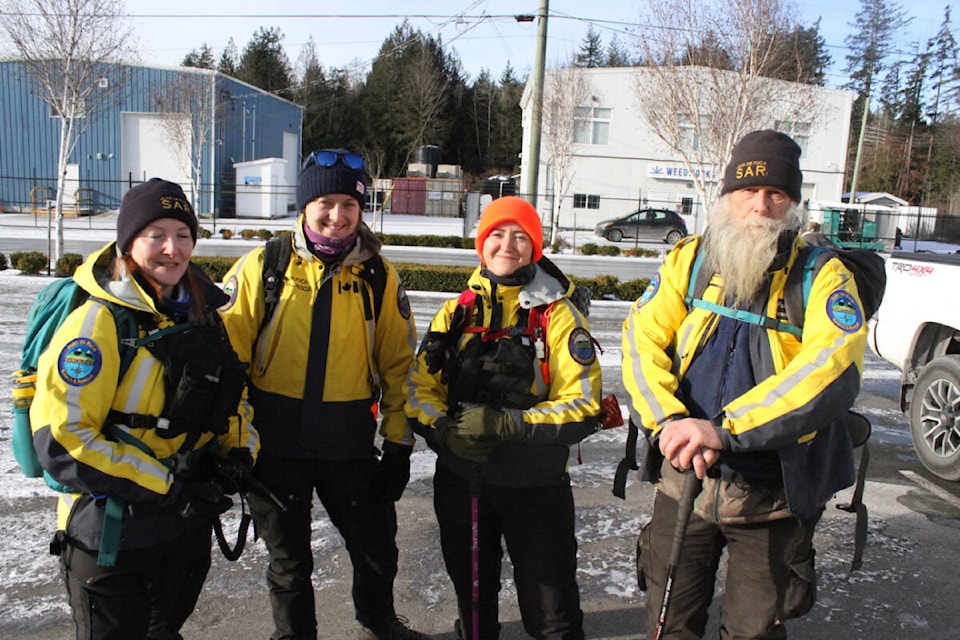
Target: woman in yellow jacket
(505,381)
(330,356)
(134,533)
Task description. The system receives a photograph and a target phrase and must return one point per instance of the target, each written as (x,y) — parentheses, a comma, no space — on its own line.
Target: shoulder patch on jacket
(652,287)
(580,345)
(403,302)
(230,288)
(80,361)
(844,311)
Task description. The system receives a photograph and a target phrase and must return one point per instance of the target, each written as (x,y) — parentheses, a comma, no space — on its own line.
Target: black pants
(538,526)
(148,594)
(770,574)
(367,522)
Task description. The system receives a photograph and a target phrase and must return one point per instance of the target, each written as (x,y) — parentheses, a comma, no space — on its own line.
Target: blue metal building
(221,121)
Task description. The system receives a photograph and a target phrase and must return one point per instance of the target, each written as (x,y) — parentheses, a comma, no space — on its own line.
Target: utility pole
(856,162)
(536,98)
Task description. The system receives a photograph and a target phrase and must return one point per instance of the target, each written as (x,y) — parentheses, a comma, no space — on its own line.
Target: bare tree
(566,93)
(73,50)
(709,83)
(188,108)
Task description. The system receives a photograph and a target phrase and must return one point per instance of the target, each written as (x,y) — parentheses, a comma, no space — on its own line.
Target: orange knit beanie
(511,209)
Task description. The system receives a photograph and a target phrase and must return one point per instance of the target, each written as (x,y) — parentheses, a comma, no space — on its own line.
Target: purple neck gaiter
(328,249)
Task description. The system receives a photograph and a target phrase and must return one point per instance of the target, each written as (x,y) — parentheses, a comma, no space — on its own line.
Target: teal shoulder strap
(693,299)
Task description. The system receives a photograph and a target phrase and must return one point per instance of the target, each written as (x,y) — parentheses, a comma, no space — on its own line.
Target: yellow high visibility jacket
(319,363)
(569,401)
(69,412)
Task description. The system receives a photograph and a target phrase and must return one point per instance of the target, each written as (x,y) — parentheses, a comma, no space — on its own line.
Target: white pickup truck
(917,328)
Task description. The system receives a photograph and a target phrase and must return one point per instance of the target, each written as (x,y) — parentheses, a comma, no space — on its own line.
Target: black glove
(243,457)
(393,471)
(232,469)
(200,499)
(477,449)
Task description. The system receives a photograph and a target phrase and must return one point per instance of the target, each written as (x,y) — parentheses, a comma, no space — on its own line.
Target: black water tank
(498,186)
(430,155)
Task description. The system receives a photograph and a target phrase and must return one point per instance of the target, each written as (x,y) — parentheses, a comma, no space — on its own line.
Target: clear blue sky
(484,33)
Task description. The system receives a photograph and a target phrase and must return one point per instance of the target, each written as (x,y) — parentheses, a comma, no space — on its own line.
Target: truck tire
(935,417)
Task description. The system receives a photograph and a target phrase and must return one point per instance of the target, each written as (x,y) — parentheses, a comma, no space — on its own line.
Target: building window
(686,205)
(585,201)
(799,131)
(592,125)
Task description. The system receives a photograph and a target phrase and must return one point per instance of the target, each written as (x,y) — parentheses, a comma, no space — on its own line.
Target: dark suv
(646,224)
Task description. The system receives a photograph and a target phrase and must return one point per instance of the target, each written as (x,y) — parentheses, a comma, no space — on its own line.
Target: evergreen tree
(708,52)
(412,97)
(870,41)
(229,59)
(617,55)
(801,56)
(264,63)
(327,101)
(944,67)
(202,58)
(482,96)
(591,50)
(913,105)
(508,138)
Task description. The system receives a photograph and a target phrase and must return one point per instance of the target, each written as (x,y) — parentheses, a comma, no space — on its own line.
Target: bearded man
(718,386)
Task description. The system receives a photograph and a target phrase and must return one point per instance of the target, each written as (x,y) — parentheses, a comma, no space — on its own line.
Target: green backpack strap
(114,507)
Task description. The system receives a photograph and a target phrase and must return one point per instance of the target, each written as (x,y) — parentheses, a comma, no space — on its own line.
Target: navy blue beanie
(315,181)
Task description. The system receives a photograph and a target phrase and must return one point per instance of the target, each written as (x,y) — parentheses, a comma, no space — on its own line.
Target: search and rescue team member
(501,401)
(757,412)
(337,344)
(134,539)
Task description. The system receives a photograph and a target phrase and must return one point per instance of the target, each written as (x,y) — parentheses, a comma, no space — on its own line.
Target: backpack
(276,256)
(869,273)
(51,307)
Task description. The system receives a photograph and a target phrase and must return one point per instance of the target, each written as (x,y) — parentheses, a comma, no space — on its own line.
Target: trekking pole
(691,487)
(475,552)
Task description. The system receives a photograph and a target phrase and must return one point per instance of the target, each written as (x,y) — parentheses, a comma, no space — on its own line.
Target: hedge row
(444,242)
(415,277)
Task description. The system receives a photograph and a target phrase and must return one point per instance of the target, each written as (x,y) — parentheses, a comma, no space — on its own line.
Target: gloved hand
(200,499)
(477,450)
(233,468)
(479,421)
(393,471)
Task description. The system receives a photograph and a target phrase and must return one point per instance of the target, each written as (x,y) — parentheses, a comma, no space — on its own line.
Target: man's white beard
(742,251)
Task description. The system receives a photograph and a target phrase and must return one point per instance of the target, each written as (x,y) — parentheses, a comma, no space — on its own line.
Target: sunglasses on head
(328,158)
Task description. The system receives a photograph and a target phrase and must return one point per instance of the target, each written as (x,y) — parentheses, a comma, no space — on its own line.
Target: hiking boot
(396,629)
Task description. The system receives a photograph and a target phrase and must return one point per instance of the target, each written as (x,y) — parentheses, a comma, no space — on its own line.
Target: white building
(619,164)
